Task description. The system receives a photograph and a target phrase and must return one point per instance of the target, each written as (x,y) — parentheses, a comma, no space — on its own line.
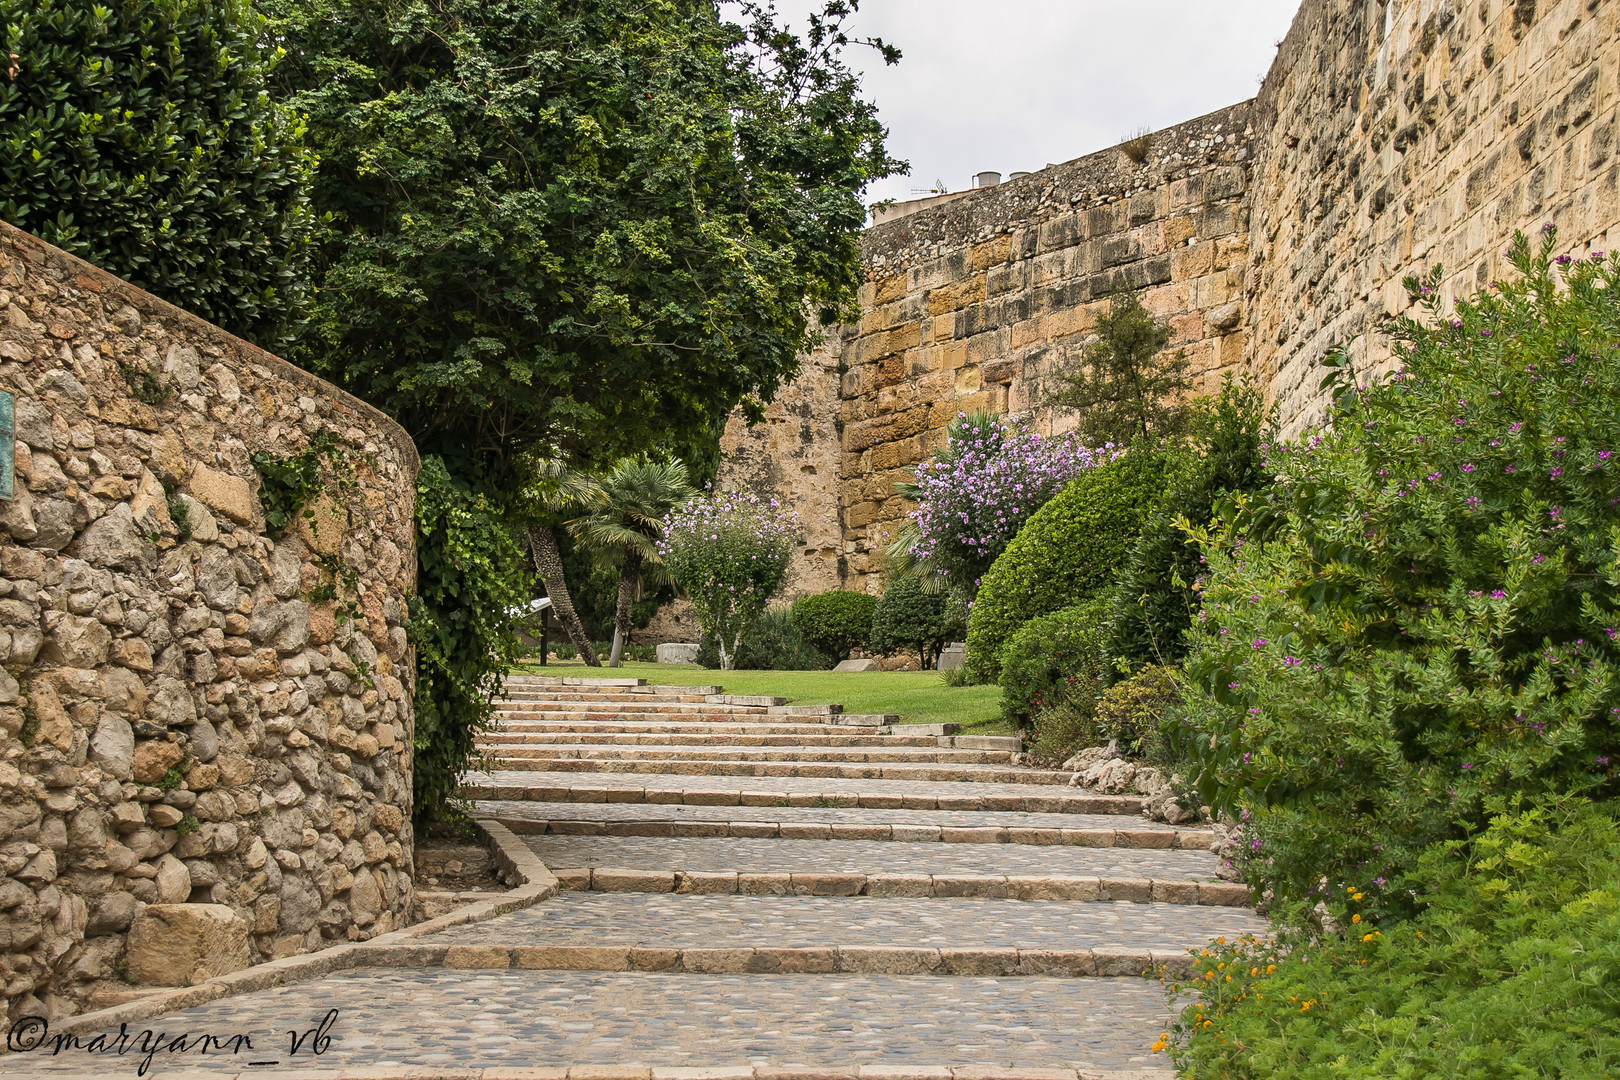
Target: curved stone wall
(188,713)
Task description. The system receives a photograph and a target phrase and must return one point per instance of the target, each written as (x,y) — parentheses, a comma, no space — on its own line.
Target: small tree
(835,621)
(730,553)
(623,532)
(908,616)
(1125,387)
(138,135)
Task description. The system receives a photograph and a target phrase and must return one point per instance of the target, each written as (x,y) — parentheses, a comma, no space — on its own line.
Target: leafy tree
(138,135)
(623,530)
(557,491)
(909,616)
(1125,387)
(835,621)
(594,225)
(1422,612)
(729,552)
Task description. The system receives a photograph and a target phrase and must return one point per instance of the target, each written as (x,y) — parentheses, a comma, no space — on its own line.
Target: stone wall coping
(511,855)
(150,305)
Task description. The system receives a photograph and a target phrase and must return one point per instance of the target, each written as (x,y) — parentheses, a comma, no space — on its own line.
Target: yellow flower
(1355,918)
(1369,937)
(1355,896)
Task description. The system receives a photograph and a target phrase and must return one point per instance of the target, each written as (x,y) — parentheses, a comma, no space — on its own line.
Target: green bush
(1133,711)
(836,621)
(1422,612)
(1154,598)
(907,616)
(137,135)
(1067,552)
(1054,658)
(774,644)
(1508,972)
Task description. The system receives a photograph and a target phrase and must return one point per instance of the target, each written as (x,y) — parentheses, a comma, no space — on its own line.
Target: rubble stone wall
(187,714)
(1389,135)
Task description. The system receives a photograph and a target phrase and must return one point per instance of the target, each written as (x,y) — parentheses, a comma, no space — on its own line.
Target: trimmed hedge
(1054,659)
(907,616)
(771,644)
(1067,552)
(836,621)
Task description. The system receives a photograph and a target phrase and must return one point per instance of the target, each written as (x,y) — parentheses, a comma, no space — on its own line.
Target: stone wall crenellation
(199,748)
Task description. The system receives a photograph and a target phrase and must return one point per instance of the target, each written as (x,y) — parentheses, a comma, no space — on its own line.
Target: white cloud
(1016,84)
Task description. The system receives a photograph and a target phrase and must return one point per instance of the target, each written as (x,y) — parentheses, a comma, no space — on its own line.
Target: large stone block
(230,495)
(185,944)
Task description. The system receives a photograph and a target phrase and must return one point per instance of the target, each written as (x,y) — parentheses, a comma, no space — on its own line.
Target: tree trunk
(548,563)
(629,585)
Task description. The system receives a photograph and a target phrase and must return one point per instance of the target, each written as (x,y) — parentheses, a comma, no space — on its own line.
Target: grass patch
(918,697)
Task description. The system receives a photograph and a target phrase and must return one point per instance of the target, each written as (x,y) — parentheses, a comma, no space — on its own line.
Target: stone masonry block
(185,944)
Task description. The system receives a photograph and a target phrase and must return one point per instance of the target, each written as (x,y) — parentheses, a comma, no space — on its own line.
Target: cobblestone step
(831,755)
(974,774)
(842,823)
(1022,887)
(757,855)
(732,921)
(764,726)
(803,735)
(877,794)
(515,1023)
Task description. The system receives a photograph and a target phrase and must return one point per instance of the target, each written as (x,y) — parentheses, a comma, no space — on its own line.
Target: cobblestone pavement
(546,1018)
(865,857)
(664,920)
(524,810)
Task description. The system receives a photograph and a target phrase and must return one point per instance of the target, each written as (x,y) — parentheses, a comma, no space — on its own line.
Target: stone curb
(510,854)
(824,960)
(1029,804)
(740,1072)
(936,886)
(1156,839)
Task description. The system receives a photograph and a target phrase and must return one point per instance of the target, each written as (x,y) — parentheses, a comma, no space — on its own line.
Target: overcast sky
(1011,85)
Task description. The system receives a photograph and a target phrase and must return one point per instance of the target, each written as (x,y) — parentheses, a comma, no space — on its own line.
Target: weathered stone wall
(1402,134)
(183,716)
(973,303)
(1389,135)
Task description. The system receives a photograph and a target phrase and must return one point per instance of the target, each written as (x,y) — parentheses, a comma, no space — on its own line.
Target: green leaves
(139,137)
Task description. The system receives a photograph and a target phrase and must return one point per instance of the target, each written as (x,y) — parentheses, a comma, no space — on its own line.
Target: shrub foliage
(1055,659)
(1423,611)
(137,134)
(908,616)
(1068,551)
(835,621)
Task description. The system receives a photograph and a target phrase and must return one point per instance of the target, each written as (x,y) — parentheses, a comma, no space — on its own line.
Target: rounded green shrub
(835,621)
(1054,660)
(1133,711)
(138,135)
(773,644)
(908,616)
(1067,552)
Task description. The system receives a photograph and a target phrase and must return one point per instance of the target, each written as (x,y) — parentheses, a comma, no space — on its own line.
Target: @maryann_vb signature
(32,1034)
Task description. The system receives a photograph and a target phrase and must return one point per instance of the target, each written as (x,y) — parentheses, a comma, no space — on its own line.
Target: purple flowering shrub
(976,493)
(729,552)
(1421,614)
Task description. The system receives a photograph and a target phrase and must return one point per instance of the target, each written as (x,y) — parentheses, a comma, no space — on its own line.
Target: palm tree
(624,529)
(559,489)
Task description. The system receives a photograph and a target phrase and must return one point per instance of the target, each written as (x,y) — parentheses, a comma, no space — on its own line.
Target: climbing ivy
(289,482)
(472,576)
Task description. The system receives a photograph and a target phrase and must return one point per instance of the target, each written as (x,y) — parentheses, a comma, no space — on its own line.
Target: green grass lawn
(919,697)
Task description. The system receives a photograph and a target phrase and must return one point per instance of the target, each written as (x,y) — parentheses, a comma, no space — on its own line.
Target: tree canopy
(600,225)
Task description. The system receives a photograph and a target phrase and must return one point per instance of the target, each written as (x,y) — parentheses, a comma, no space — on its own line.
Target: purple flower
(1468,468)
(1260,643)
(1467,766)
(1233,685)
(1498,594)
(1291,661)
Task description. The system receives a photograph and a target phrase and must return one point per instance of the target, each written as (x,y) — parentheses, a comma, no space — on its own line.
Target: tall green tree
(139,135)
(624,530)
(1126,387)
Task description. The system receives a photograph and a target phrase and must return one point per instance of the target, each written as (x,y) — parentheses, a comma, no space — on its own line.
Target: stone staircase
(883,899)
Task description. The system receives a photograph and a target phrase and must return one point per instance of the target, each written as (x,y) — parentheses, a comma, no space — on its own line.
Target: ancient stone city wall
(1388,136)
(186,714)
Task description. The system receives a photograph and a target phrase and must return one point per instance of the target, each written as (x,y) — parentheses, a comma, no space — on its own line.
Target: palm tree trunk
(629,586)
(548,563)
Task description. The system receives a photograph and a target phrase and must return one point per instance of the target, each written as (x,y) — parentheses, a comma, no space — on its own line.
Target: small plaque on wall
(8,442)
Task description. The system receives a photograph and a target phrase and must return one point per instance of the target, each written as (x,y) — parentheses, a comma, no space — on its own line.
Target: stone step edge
(1025,887)
(509,854)
(1149,839)
(1027,804)
(898,737)
(997,774)
(770,960)
(720,1072)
